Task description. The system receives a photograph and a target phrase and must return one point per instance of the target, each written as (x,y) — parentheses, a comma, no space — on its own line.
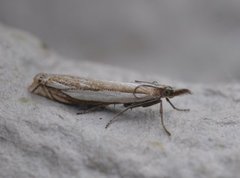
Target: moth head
(169,92)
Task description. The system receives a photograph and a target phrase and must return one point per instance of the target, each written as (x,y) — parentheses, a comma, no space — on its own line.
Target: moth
(98,93)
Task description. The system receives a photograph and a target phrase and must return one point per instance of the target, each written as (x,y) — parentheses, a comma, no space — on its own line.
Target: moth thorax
(155,92)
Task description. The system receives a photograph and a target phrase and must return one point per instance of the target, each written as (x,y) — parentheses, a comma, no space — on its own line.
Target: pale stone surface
(43,138)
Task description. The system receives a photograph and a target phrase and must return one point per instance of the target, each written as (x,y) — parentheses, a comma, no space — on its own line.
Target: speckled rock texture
(43,138)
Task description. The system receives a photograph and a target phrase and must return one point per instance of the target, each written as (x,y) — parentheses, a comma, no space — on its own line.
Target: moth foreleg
(162,121)
(174,107)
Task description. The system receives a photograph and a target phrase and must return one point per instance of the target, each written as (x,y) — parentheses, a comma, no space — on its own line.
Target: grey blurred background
(192,40)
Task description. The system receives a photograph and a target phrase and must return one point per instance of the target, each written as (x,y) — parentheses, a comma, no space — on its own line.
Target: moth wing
(106,96)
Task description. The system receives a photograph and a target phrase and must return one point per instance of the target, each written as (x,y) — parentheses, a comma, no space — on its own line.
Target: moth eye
(168,92)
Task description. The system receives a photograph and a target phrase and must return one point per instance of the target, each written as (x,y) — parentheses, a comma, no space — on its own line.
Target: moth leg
(162,121)
(119,113)
(150,104)
(92,109)
(143,104)
(134,105)
(176,107)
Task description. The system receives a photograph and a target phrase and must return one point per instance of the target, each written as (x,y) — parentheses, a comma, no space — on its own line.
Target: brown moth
(98,93)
